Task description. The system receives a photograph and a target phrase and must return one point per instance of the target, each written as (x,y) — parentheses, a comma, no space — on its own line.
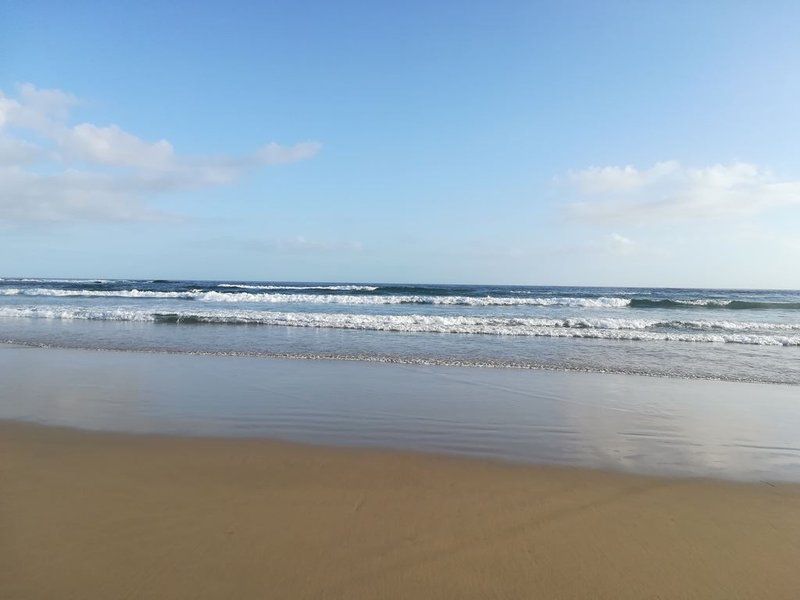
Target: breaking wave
(315,294)
(42,280)
(762,334)
(336,288)
(712,303)
(279,298)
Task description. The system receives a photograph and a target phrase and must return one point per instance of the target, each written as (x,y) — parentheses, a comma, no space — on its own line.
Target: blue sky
(617,143)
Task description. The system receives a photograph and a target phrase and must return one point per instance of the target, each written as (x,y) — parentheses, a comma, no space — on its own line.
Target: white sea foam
(610,329)
(43,280)
(95,293)
(278,298)
(337,288)
(703,302)
(410,299)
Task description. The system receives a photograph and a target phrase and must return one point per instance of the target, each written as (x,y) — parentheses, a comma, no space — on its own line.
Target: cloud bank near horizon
(54,171)
(670,190)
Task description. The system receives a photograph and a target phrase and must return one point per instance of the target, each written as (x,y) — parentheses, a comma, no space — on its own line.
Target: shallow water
(662,426)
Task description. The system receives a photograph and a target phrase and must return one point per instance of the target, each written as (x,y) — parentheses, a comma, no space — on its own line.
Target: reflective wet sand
(638,424)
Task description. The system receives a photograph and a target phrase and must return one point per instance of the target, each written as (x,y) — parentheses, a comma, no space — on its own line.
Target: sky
(552,143)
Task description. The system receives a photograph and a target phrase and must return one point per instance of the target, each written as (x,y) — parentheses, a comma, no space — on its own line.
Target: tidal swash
(738,335)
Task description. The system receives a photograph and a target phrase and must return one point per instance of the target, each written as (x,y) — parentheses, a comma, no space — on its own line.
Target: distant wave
(69,293)
(772,334)
(281,294)
(338,288)
(712,303)
(42,280)
(278,298)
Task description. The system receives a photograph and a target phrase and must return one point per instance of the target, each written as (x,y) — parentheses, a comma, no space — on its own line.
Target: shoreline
(402,360)
(658,426)
(95,514)
(42,430)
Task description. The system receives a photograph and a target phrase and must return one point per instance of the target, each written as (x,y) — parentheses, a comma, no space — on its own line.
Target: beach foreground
(100,515)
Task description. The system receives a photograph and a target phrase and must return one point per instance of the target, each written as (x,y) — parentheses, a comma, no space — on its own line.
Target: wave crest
(761,334)
(337,288)
(278,298)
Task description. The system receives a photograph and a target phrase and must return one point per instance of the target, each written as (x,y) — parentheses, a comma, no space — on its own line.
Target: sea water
(737,335)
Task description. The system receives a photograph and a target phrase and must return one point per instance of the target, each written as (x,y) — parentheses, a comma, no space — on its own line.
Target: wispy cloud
(620,244)
(303,245)
(671,190)
(53,170)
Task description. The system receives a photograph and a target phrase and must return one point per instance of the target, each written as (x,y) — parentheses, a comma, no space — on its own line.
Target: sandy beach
(101,515)
(413,301)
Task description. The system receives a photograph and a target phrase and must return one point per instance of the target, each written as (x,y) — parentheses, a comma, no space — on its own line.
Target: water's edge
(647,425)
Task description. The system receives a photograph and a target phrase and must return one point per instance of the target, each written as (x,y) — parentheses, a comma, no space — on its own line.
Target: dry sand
(94,515)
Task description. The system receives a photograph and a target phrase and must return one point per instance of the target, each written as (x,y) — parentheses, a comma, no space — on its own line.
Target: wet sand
(644,425)
(106,515)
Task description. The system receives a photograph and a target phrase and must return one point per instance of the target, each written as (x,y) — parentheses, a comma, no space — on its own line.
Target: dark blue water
(751,335)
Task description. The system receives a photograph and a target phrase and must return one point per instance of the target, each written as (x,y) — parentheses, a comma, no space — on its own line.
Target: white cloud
(112,146)
(35,109)
(72,195)
(52,170)
(670,190)
(599,180)
(621,240)
(17,152)
(275,154)
(618,244)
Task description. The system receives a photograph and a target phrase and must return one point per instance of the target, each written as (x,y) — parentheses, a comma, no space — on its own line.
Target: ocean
(734,335)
